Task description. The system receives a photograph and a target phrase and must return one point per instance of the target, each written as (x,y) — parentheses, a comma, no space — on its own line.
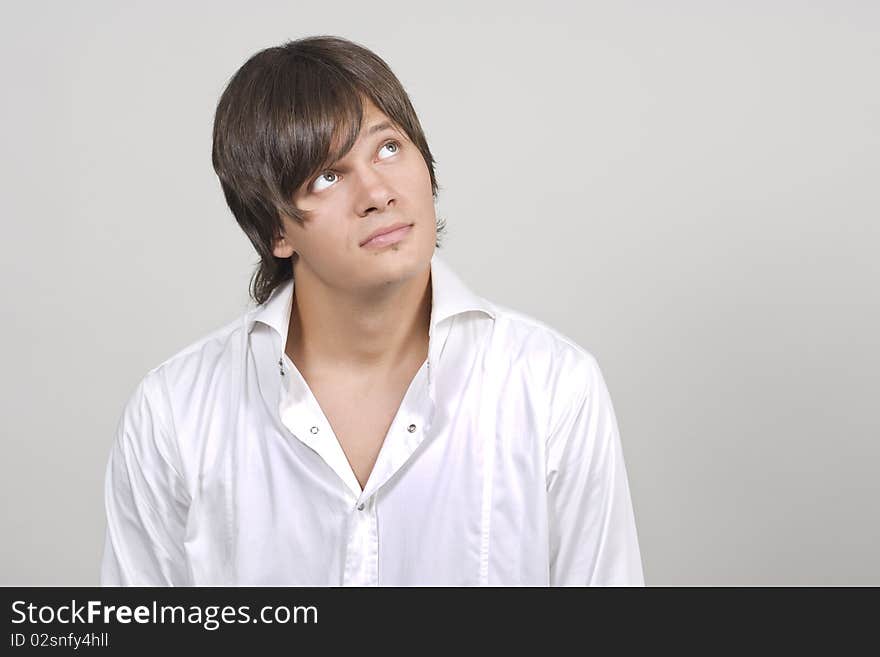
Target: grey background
(687,189)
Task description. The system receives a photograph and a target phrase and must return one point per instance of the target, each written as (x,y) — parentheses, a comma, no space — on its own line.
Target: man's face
(383,180)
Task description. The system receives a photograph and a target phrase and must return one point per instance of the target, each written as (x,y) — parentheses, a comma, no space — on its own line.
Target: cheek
(420,180)
(321,231)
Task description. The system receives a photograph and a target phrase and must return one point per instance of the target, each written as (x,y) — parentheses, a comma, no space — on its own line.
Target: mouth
(386,236)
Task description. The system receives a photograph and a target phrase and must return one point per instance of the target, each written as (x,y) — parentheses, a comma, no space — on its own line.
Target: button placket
(361,560)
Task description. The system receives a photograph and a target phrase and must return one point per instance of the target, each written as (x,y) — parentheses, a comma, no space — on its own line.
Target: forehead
(372,113)
(372,116)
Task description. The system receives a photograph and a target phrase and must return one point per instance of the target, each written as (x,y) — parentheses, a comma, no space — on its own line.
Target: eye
(328,177)
(395,146)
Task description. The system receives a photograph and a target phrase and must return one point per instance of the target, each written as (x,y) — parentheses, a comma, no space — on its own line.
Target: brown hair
(276,127)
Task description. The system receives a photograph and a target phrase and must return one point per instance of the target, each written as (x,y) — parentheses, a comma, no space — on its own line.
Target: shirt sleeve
(145,498)
(593,539)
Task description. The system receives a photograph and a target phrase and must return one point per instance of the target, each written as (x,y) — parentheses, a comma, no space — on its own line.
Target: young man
(372,421)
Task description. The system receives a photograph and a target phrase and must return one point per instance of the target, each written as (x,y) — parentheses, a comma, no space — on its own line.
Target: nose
(375,193)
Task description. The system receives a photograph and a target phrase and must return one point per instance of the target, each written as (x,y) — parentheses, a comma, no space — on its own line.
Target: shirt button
(314,429)
(411,428)
(361,506)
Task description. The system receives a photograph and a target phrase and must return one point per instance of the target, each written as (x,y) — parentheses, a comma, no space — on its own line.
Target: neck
(374,332)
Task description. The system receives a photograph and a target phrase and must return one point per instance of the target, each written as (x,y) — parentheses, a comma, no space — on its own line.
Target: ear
(282,248)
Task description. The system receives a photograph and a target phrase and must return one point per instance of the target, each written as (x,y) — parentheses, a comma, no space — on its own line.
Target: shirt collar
(450,296)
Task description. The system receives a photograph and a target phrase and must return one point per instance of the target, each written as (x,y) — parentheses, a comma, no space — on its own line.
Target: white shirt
(503,465)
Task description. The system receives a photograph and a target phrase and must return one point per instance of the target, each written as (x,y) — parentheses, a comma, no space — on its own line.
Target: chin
(402,260)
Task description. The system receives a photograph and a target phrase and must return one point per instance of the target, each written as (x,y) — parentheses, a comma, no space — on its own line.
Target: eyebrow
(378,127)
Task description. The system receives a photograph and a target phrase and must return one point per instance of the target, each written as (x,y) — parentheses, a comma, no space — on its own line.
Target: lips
(383,231)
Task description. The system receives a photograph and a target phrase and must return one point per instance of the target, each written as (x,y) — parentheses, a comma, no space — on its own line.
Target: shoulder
(527,338)
(556,372)
(200,360)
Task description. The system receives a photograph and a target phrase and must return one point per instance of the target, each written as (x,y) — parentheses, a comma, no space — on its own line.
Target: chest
(361,415)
